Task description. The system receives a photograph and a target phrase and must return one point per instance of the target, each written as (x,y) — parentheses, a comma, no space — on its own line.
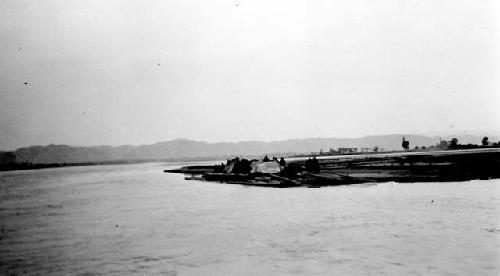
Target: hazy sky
(134,72)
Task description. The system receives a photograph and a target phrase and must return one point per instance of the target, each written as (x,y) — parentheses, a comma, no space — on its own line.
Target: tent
(265,167)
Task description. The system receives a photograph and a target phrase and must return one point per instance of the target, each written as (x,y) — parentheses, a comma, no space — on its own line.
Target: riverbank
(437,166)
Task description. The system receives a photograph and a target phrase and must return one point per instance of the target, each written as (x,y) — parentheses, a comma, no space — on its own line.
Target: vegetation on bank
(452,144)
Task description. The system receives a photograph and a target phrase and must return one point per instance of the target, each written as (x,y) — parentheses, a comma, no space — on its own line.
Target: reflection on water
(134,219)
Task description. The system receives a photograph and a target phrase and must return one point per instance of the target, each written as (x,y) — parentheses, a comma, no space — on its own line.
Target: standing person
(308,164)
(315,165)
(282,162)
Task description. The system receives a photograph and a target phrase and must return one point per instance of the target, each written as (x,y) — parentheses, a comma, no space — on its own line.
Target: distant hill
(187,149)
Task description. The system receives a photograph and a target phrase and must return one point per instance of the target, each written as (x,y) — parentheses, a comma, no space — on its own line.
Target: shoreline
(428,166)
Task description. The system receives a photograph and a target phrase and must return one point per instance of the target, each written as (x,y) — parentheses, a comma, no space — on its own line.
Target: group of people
(244,166)
(282,161)
(312,165)
(238,166)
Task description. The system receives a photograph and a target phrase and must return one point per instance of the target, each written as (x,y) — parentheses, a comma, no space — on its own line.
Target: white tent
(265,167)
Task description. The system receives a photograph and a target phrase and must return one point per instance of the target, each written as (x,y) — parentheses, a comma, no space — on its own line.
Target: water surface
(134,219)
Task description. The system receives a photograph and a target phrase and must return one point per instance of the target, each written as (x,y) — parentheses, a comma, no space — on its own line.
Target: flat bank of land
(446,165)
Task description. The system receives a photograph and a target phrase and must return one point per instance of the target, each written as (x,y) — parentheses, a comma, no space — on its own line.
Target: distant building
(347,150)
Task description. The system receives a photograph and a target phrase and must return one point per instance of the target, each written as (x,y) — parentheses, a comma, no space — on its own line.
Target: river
(137,220)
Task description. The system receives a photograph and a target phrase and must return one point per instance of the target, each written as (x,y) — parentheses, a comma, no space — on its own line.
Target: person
(245,166)
(266,159)
(282,162)
(315,165)
(237,166)
(219,168)
(308,164)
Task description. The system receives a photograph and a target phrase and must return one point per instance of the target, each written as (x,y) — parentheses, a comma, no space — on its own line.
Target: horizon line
(241,141)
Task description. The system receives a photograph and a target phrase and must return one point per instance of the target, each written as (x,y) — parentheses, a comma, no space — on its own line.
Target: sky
(139,72)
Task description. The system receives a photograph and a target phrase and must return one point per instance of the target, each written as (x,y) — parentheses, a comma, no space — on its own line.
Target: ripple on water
(135,220)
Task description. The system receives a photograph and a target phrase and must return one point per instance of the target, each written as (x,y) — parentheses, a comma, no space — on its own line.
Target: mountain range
(182,149)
